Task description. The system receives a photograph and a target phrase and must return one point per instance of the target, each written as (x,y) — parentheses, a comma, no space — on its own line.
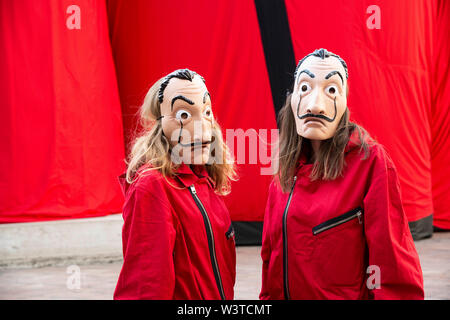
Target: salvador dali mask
(319,98)
(186,117)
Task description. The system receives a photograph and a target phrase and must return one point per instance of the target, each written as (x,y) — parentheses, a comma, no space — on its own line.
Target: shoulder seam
(165,203)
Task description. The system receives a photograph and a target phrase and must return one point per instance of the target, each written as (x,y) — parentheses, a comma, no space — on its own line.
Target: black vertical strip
(278,49)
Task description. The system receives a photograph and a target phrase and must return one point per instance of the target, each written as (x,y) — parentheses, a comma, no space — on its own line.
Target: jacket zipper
(210,236)
(355,213)
(285,244)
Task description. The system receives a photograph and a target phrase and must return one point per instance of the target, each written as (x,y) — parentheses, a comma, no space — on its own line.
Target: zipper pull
(359,215)
(192,189)
(293,183)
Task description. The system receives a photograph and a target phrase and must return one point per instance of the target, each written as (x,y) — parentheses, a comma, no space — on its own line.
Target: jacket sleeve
(393,258)
(148,237)
(266,250)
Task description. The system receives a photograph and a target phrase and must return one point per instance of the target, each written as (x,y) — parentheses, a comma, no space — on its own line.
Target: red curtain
(60,118)
(389,77)
(440,120)
(218,39)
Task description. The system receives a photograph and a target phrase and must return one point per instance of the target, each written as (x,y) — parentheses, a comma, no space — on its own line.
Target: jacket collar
(186,174)
(124,185)
(352,144)
(190,174)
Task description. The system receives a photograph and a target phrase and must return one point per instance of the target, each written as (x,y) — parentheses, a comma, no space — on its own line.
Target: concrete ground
(97,281)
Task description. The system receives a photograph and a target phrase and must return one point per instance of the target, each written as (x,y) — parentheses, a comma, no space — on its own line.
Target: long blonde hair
(152,147)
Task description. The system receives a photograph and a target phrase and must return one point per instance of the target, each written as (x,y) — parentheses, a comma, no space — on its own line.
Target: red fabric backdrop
(218,39)
(440,119)
(389,77)
(60,120)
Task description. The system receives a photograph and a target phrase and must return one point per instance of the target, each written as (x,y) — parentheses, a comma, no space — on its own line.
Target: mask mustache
(320,116)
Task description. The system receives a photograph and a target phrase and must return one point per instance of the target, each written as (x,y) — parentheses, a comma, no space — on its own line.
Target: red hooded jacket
(178,241)
(338,239)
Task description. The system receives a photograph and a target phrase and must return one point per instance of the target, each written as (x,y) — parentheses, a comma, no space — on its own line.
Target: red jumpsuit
(178,241)
(320,239)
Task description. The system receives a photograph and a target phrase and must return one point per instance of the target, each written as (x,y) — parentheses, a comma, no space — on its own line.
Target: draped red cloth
(60,118)
(220,40)
(440,120)
(63,142)
(390,75)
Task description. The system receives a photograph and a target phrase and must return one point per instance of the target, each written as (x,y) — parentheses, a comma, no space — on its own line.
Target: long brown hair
(152,147)
(329,161)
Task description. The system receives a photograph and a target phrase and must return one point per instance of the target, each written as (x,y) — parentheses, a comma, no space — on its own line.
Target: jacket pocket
(338,259)
(336,221)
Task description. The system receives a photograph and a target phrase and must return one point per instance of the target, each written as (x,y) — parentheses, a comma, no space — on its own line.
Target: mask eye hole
(182,115)
(304,87)
(208,112)
(332,90)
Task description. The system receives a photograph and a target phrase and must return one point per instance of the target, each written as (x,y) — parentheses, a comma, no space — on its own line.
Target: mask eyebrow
(206,95)
(180,97)
(309,73)
(332,73)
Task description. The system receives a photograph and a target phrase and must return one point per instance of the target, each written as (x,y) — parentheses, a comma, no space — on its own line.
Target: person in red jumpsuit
(178,240)
(334,226)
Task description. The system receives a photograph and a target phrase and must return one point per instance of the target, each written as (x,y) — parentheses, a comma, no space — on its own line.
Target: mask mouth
(313,119)
(196,144)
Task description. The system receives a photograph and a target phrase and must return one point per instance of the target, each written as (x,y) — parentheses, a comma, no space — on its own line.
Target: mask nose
(316,104)
(202,131)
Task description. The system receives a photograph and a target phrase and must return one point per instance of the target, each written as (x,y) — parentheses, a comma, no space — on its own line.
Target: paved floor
(98,281)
